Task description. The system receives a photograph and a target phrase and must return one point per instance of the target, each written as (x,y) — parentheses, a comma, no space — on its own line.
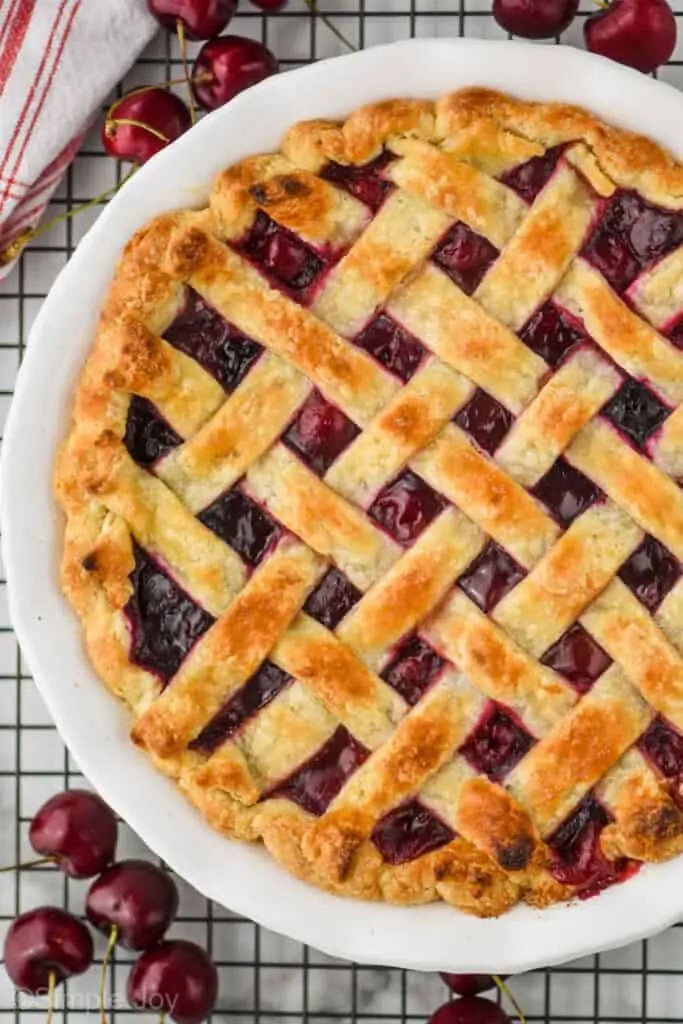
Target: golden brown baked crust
(450,157)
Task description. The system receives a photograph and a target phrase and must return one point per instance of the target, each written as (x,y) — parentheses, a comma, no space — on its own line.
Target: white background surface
(261,974)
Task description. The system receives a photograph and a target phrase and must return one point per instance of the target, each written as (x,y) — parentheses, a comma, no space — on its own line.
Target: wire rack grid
(264,978)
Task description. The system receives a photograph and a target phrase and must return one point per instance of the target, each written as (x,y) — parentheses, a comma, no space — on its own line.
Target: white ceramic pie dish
(92,723)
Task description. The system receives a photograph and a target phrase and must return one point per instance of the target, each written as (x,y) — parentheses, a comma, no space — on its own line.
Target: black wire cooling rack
(265,978)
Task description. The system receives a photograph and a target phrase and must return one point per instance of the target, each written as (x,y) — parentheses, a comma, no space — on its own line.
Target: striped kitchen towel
(59,59)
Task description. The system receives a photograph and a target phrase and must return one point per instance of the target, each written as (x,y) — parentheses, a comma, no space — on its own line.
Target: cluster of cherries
(132,901)
(145,120)
(640,33)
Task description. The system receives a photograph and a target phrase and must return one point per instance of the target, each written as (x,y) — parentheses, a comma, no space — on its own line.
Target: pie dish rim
(33,631)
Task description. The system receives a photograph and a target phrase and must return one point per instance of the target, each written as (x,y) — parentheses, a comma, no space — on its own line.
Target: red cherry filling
(316,783)
(675,332)
(650,572)
(550,334)
(413,667)
(406,507)
(392,346)
(148,436)
(497,744)
(630,235)
(409,831)
(579,859)
(320,433)
(201,333)
(490,576)
(529,178)
(566,492)
(332,599)
(663,746)
(243,524)
(485,420)
(465,256)
(281,255)
(165,622)
(364,182)
(577,657)
(636,411)
(258,691)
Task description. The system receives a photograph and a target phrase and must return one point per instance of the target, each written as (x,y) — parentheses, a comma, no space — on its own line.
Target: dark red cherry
(77,830)
(46,942)
(142,122)
(202,19)
(640,33)
(137,899)
(270,6)
(175,978)
(470,984)
(535,19)
(228,65)
(470,1010)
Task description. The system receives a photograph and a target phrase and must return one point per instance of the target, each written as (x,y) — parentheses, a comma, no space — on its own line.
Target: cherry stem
(113,936)
(8,255)
(204,77)
(51,982)
(313,7)
(40,860)
(182,41)
(510,997)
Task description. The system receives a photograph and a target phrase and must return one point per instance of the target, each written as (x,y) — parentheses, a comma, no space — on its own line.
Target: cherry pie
(373,515)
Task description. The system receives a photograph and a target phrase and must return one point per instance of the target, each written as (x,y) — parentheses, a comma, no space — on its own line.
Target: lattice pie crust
(372,512)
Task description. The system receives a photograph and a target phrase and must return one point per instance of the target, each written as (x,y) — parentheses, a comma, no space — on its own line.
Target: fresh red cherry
(470,984)
(175,978)
(270,6)
(640,33)
(45,947)
(77,830)
(228,65)
(470,1010)
(201,19)
(133,902)
(535,19)
(142,122)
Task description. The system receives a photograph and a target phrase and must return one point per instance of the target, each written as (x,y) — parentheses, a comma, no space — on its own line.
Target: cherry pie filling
(465,256)
(392,346)
(497,743)
(413,668)
(579,860)
(365,182)
(315,784)
(319,433)
(406,507)
(485,420)
(552,334)
(630,236)
(286,260)
(578,658)
(566,492)
(409,831)
(490,576)
(221,349)
(243,524)
(531,177)
(165,622)
(256,693)
(334,596)
(148,437)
